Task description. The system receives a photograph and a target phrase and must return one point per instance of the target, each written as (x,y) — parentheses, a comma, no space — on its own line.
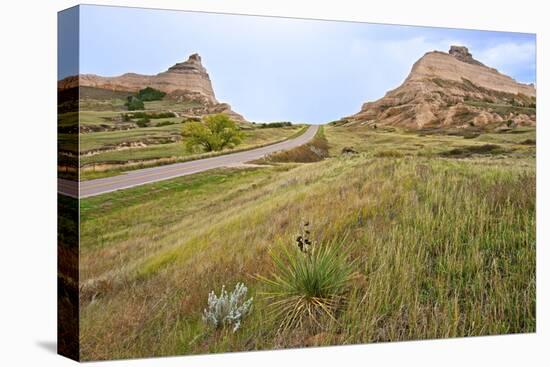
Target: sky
(283,69)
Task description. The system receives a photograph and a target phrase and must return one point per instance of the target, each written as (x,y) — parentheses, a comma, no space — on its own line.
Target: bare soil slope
(452,90)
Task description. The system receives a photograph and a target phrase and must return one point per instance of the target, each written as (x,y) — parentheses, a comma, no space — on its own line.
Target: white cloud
(388,62)
(509,57)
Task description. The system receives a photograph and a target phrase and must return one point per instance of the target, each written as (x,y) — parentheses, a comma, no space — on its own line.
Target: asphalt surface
(154,174)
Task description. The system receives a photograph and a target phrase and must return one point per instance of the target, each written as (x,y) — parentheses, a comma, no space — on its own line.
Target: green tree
(150,94)
(134,103)
(214,132)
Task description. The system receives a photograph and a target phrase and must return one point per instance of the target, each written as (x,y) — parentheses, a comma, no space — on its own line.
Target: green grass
(67,119)
(399,143)
(104,139)
(439,247)
(106,111)
(67,142)
(166,104)
(97,117)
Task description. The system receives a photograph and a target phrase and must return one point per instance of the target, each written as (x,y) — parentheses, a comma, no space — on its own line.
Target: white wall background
(28,182)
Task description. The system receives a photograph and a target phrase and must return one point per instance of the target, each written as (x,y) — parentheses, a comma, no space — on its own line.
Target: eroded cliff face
(452,89)
(184,81)
(189,75)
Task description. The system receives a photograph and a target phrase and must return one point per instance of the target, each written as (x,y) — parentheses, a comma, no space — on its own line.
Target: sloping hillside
(452,90)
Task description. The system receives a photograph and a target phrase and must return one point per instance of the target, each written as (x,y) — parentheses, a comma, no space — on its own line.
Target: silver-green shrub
(229,309)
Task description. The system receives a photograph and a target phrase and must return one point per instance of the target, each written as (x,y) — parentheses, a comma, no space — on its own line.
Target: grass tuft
(388,154)
(308,288)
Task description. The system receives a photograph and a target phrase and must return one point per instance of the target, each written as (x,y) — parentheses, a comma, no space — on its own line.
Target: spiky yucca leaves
(306,289)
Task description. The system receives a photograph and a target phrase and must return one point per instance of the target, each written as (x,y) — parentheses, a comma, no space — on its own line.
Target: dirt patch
(86,129)
(529,142)
(468,151)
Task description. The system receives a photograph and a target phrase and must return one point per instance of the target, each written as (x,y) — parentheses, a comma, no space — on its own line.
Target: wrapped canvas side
(67,198)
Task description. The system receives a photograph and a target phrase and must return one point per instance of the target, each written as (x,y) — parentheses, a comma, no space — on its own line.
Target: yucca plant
(307,288)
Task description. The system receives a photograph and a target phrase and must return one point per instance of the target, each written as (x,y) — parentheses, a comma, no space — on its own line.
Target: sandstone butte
(186,80)
(452,90)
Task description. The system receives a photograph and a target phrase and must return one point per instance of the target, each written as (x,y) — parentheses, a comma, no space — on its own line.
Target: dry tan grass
(314,151)
(442,247)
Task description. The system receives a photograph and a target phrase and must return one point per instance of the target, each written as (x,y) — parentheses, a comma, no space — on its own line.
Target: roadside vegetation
(313,151)
(113,139)
(213,133)
(388,237)
(271,125)
(114,162)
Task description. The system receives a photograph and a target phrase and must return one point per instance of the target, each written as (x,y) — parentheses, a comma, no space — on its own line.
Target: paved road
(148,175)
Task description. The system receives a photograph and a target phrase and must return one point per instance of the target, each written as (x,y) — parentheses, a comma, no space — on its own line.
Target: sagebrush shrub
(229,309)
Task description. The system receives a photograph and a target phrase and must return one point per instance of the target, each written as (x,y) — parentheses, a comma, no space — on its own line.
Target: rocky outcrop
(188,75)
(461,53)
(452,89)
(204,106)
(185,81)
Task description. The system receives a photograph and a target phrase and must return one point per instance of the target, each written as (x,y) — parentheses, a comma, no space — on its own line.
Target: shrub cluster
(150,94)
(148,115)
(144,95)
(274,124)
(229,309)
(144,122)
(467,151)
(165,123)
(133,103)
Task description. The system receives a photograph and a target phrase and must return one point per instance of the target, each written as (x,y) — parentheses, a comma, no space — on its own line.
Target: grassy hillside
(438,246)
(394,142)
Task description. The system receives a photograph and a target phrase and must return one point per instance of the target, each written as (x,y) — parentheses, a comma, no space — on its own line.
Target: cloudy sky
(272,69)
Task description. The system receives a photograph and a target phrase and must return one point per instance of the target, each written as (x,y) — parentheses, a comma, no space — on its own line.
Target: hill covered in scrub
(438,247)
(452,90)
(184,82)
